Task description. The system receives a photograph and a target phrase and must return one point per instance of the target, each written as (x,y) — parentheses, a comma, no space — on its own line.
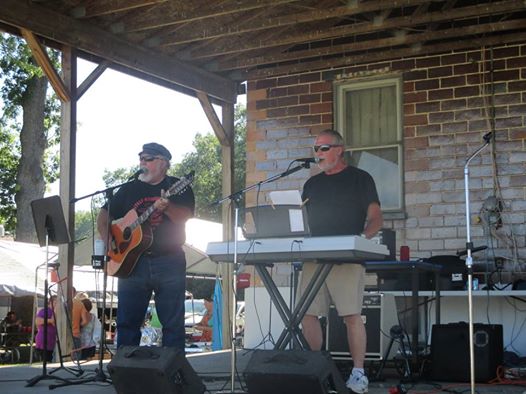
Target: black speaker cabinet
(144,369)
(379,314)
(450,351)
(292,371)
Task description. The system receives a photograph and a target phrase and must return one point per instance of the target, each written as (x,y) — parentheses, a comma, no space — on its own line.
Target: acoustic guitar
(132,234)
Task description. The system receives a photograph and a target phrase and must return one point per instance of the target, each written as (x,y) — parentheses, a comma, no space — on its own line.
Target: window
(368,114)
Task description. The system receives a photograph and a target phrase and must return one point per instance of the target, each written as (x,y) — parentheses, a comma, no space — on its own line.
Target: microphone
(309,160)
(487,137)
(137,173)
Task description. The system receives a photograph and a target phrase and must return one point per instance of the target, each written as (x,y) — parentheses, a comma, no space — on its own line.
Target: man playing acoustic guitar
(145,247)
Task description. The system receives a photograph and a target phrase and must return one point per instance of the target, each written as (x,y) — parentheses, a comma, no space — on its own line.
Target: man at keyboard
(341,200)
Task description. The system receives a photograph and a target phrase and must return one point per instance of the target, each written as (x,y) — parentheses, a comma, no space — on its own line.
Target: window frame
(341,88)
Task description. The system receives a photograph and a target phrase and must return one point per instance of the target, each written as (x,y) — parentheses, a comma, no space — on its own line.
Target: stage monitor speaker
(450,351)
(292,371)
(379,314)
(144,369)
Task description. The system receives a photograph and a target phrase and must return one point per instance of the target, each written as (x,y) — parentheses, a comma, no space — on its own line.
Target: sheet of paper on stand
(285,197)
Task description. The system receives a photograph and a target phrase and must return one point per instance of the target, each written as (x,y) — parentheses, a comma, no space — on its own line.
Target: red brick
(311,77)
(519,134)
(427,62)
(428,84)
(320,87)
(454,127)
(468,68)
(415,165)
(476,102)
(440,72)
(418,142)
(517,110)
(453,59)
(321,108)
(517,180)
(512,98)
(441,117)
(474,79)
(409,87)
(416,187)
(508,75)
(517,86)
(415,97)
(277,123)
(467,91)
(406,64)
(287,101)
(310,98)
(309,119)
(409,131)
(477,125)
(453,104)
(290,80)
(413,120)
(428,130)
(517,62)
(440,94)
(453,81)
(430,106)
(409,109)
(277,92)
(493,65)
(298,89)
(499,53)
(468,114)
(326,97)
(509,122)
(288,111)
(327,118)
(414,75)
(266,83)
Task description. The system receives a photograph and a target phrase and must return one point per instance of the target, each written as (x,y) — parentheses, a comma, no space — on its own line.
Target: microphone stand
(469,261)
(99,376)
(235,198)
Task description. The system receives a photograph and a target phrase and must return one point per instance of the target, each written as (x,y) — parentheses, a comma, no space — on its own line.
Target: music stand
(51,229)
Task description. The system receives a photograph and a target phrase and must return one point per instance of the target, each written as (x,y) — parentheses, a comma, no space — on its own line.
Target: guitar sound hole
(126,234)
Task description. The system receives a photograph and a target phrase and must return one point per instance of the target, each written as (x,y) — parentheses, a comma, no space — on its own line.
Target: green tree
(206,162)
(29,134)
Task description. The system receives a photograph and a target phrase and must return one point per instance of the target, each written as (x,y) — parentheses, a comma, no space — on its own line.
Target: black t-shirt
(337,204)
(167,235)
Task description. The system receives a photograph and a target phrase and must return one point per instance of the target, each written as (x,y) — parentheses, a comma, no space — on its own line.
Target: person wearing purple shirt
(51,330)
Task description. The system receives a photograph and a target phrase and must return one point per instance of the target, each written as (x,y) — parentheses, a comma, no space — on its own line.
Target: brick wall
(444,120)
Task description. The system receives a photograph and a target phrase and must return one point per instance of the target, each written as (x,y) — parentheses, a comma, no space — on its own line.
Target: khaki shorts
(343,288)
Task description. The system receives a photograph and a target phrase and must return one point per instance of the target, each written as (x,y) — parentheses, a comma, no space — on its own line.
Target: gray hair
(336,136)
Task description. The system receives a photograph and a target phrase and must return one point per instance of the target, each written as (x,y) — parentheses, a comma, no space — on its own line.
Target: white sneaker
(358,383)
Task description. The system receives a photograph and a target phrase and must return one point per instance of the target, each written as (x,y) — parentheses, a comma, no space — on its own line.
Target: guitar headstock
(181,185)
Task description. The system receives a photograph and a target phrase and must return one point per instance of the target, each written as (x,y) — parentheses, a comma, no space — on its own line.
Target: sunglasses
(324,147)
(148,158)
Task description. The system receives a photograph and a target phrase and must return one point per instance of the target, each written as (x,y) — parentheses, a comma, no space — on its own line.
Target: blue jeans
(165,276)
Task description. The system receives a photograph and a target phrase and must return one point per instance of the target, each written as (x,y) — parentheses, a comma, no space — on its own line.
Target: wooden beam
(341,12)
(164,16)
(219,131)
(90,79)
(299,37)
(347,61)
(408,39)
(81,35)
(41,57)
(99,8)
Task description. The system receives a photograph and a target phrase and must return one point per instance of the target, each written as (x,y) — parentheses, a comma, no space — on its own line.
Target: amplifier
(450,351)
(379,314)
